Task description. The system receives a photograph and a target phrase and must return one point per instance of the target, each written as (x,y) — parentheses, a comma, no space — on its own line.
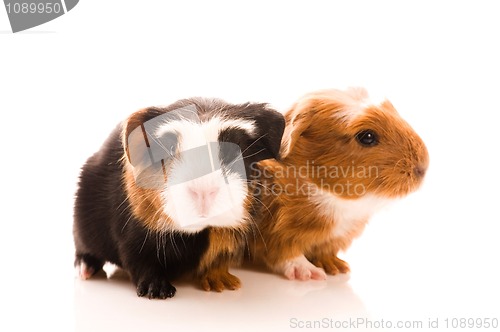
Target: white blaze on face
(356,101)
(198,193)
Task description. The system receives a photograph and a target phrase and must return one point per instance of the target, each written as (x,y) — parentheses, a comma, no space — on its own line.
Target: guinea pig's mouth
(416,175)
(228,218)
(402,184)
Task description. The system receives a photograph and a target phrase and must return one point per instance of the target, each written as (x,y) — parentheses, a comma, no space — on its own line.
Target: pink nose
(203,199)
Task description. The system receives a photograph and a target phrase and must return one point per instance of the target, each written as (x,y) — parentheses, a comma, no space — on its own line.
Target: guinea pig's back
(100,200)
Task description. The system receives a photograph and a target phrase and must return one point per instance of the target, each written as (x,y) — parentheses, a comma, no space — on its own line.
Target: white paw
(83,271)
(301,269)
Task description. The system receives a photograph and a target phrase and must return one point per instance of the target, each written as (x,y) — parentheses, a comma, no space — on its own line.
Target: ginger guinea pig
(342,158)
(167,193)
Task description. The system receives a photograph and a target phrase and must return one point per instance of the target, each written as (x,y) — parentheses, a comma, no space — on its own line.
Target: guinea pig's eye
(367,138)
(168,144)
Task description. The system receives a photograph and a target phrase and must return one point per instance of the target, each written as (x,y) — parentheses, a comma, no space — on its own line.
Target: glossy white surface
(65,85)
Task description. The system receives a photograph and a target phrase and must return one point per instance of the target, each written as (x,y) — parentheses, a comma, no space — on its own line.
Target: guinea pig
(343,156)
(167,194)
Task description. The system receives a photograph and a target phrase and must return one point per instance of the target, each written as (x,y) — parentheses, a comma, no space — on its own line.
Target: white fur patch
(348,215)
(351,112)
(356,101)
(195,134)
(213,199)
(248,126)
(375,99)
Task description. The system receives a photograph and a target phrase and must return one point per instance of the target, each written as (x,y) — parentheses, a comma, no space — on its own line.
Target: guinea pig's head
(187,164)
(352,146)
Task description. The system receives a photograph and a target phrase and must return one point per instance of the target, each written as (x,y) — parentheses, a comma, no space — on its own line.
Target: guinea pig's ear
(133,139)
(269,127)
(298,119)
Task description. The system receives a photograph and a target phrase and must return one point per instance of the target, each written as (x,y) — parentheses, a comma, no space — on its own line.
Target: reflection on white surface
(266,302)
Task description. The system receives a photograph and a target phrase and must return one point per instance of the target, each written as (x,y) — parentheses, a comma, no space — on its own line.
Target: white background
(64,86)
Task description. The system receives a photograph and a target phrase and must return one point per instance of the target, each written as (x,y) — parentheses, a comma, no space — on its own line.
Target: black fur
(105,229)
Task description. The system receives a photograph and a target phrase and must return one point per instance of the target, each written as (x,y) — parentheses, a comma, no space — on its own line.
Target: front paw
(155,288)
(331,264)
(299,268)
(218,280)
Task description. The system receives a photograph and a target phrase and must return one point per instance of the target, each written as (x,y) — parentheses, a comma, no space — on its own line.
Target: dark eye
(367,138)
(168,144)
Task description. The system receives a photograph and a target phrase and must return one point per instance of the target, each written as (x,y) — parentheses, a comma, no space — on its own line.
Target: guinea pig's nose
(204,199)
(419,171)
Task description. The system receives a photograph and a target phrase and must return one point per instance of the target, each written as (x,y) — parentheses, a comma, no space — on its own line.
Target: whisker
(262,204)
(126,223)
(158,246)
(174,245)
(164,237)
(243,158)
(143,243)
(248,147)
(253,223)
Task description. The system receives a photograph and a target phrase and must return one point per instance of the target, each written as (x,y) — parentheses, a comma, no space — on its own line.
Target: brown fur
(320,137)
(224,251)
(146,204)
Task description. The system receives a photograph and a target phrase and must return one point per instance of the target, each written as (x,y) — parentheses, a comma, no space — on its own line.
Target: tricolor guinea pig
(167,193)
(343,156)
